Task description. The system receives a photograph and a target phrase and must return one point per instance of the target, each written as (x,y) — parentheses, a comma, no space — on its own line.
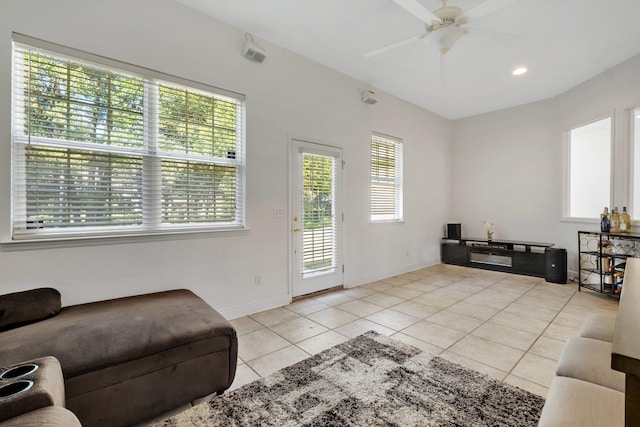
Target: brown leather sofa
(124,360)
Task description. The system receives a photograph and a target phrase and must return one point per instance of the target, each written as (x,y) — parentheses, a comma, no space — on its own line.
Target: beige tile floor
(507,326)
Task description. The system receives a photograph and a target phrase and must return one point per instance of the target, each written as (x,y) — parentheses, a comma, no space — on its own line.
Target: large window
(386,178)
(635,120)
(589,189)
(103,147)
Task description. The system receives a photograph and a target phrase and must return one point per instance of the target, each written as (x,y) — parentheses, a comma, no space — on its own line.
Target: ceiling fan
(445,25)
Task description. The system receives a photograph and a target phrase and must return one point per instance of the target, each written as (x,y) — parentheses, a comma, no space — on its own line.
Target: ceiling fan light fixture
(518,71)
(446,37)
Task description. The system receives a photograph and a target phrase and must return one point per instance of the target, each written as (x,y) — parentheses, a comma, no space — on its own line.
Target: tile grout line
(443,275)
(469,333)
(485,322)
(540,335)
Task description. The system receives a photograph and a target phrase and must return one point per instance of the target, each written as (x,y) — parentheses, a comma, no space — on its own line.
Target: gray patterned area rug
(370,380)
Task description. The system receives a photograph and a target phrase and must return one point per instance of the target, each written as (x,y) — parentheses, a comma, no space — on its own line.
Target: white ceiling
(562,42)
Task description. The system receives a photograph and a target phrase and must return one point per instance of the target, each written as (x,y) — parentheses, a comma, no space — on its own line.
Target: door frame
(293,187)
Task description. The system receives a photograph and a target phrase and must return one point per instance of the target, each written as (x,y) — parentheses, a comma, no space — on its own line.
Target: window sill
(595,221)
(387,221)
(115,239)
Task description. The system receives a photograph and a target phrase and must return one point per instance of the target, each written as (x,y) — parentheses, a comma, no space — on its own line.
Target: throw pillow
(22,308)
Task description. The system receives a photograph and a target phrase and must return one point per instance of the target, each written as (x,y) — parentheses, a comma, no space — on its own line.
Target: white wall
(508,165)
(286,95)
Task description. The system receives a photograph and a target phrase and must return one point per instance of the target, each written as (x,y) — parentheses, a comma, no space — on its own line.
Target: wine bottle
(605,224)
(615,221)
(625,221)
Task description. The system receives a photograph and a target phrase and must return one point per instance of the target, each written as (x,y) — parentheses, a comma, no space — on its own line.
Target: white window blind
(318,214)
(386,178)
(104,147)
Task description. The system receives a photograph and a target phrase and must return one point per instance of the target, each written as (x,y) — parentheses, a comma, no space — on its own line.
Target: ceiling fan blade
(417,10)
(486,8)
(394,45)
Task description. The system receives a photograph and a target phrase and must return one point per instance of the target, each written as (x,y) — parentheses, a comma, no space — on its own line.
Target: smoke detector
(253,50)
(369,97)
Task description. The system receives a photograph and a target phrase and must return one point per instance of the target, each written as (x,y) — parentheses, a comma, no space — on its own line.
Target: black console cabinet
(510,256)
(453,253)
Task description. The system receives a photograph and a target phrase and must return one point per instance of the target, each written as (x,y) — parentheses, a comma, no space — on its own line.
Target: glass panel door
(317,217)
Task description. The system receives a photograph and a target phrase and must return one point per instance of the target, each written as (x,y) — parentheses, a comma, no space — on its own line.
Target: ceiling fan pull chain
(442,52)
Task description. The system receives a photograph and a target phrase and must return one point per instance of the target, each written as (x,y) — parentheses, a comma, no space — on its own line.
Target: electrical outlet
(257,280)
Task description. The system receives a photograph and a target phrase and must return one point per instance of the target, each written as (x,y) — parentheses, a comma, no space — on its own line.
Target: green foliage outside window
(317,191)
(96,135)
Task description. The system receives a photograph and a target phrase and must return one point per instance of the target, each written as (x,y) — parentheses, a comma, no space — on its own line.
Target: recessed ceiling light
(519,71)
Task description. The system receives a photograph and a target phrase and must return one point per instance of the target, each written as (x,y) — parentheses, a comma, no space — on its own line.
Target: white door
(316,217)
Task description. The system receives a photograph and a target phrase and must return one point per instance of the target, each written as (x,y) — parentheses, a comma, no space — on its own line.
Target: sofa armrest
(31,385)
(50,416)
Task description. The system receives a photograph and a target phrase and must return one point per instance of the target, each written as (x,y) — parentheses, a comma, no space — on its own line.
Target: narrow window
(386,178)
(635,208)
(589,169)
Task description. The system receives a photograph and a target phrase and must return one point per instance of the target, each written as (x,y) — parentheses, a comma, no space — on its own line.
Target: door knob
(296,229)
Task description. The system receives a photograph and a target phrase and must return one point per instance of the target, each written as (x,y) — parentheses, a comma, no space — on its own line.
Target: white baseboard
(379,275)
(285,299)
(255,306)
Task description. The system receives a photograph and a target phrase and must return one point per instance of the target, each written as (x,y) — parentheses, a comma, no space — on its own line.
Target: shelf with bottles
(602,259)
(615,222)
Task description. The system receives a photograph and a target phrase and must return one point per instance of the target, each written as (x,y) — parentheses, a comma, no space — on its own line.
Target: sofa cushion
(599,327)
(576,403)
(21,308)
(589,360)
(89,337)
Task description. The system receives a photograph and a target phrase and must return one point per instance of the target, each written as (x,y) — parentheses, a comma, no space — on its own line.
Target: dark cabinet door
(529,263)
(454,253)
